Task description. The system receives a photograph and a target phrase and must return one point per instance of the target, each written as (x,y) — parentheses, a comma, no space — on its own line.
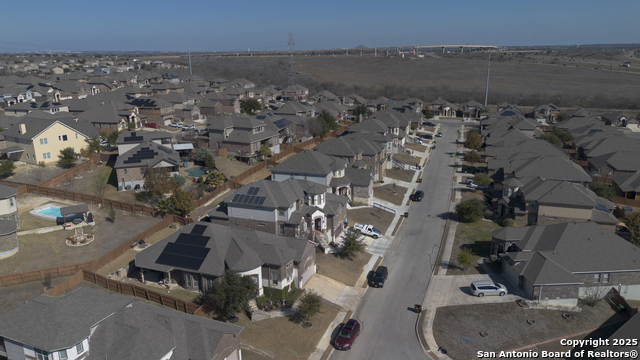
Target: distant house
(241,134)
(557,264)
(296,108)
(158,111)
(94,324)
(615,118)
(127,140)
(472,110)
(272,261)
(112,116)
(442,108)
(547,112)
(132,166)
(295,92)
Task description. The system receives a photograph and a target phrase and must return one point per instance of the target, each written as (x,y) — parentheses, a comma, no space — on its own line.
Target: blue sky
(160,25)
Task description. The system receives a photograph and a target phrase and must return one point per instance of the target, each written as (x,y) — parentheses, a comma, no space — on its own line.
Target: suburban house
(472,110)
(298,208)
(128,139)
(25,108)
(360,153)
(218,104)
(442,108)
(34,139)
(112,116)
(9,221)
(94,324)
(627,186)
(295,92)
(317,167)
(296,108)
(241,134)
(543,201)
(615,118)
(547,112)
(132,165)
(556,264)
(198,255)
(158,111)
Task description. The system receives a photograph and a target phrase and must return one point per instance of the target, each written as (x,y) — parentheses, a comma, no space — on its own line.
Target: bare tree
(594,294)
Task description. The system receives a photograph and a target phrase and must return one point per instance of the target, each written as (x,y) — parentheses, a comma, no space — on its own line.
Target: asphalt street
(387,316)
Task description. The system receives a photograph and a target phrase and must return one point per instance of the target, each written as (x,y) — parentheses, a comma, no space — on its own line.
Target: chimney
(23,128)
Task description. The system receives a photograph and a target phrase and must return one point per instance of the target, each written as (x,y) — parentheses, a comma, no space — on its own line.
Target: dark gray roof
(35,126)
(310,163)
(145,331)
(628,182)
(218,248)
(136,136)
(7,191)
(53,323)
(559,192)
(148,154)
(8,227)
(359,177)
(575,247)
(76,209)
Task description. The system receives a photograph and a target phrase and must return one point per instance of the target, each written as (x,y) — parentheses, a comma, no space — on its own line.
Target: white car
(188,127)
(368,230)
(175,125)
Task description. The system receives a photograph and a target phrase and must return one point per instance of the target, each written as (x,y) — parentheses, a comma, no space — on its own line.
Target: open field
(455,77)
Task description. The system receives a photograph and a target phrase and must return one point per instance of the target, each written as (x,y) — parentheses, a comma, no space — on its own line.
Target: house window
(209,284)
(596,278)
(281,230)
(27,156)
(79,347)
(532,204)
(41,354)
(280,212)
(11,201)
(63,354)
(43,141)
(195,280)
(188,280)
(274,278)
(63,138)
(125,171)
(605,278)
(76,135)
(46,155)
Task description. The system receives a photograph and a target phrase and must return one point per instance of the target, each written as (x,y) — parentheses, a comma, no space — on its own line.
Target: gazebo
(76,209)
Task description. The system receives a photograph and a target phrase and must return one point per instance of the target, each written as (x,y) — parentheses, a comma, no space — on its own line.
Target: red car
(348,334)
(151,125)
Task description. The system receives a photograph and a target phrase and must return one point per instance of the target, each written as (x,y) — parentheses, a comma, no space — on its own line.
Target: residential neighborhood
(148,212)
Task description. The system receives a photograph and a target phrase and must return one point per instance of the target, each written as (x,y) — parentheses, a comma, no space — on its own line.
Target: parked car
(417,196)
(439,134)
(417,140)
(427,136)
(482,288)
(378,278)
(473,170)
(348,334)
(175,125)
(151,125)
(188,127)
(368,230)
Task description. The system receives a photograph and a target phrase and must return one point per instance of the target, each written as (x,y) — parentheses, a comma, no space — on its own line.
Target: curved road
(389,323)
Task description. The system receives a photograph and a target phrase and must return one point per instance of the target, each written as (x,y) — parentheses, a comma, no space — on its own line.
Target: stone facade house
(242,134)
(557,264)
(131,166)
(200,253)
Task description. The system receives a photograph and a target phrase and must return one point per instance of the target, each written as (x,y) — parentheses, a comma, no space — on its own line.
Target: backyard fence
(139,291)
(71,172)
(607,180)
(42,274)
(624,201)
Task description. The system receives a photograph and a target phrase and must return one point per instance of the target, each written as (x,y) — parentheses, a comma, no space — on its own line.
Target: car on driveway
(427,136)
(348,334)
(417,196)
(151,125)
(368,230)
(188,127)
(482,288)
(175,125)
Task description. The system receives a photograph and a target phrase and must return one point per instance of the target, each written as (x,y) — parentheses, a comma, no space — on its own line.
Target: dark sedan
(417,196)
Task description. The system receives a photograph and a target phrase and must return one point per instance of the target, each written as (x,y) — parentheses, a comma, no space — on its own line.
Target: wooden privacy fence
(41,274)
(71,172)
(139,291)
(93,265)
(624,201)
(607,180)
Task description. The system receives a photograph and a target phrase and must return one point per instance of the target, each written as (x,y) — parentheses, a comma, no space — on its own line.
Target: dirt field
(231,167)
(46,250)
(340,269)
(507,328)
(406,159)
(36,175)
(82,183)
(378,218)
(390,193)
(416,147)
(400,174)
(282,338)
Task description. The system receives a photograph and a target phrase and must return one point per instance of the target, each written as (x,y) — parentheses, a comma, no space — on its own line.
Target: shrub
(464,258)
(603,190)
(469,210)
(179,179)
(507,222)
(482,179)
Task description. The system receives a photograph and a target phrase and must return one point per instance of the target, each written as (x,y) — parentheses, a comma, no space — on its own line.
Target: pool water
(196,172)
(51,211)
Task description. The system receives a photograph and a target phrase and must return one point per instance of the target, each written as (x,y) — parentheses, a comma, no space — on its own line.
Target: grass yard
(476,237)
(380,219)
(282,338)
(416,147)
(30,222)
(341,269)
(390,193)
(406,159)
(400,174)
(429,129)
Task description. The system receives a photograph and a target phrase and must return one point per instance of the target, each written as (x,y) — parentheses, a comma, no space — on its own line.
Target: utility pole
(292,70)
(486,91)
(189,49)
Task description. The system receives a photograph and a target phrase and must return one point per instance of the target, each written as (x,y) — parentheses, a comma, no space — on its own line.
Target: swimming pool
(196,172)
(50,211)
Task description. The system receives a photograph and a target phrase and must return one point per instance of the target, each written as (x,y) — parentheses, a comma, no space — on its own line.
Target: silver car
(482,288)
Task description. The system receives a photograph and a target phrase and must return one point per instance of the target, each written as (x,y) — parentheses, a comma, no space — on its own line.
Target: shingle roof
(7,191)
(310,163)
(148,154)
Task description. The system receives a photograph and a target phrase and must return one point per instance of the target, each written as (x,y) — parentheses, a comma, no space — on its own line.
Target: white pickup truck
(368,230)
